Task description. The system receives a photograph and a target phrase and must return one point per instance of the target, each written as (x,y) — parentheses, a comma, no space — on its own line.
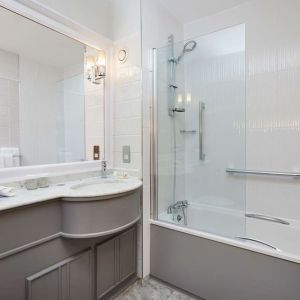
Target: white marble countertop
(87,187)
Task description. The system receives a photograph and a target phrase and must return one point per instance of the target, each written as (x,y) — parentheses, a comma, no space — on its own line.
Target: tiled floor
(152,289)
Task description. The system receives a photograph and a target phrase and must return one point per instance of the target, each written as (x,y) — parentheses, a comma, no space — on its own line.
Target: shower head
(188,47)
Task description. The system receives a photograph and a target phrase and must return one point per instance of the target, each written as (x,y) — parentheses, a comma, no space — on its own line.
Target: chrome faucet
(103,168)
(179,205)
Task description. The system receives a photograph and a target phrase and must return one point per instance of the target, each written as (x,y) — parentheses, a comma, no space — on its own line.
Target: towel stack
(9,157)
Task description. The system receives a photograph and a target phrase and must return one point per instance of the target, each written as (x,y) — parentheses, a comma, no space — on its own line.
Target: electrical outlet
(126,154)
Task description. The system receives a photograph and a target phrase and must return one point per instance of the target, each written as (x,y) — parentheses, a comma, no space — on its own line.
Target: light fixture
(179,98)
(188,97)
(96,67)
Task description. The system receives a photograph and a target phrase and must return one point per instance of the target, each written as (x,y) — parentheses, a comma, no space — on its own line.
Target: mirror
(51,96)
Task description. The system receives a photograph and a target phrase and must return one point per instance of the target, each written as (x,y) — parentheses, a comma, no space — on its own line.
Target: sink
(100,206)
(105,186)
(102,187)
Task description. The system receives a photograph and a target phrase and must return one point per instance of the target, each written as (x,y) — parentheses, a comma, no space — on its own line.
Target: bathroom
(149,148)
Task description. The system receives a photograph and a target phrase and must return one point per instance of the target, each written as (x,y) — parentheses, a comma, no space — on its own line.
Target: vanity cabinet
(68,269)
(69,279)
(39,261)
(116,261)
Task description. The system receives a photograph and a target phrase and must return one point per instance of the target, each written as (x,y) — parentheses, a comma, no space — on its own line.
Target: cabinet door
(127,254)
(44,286)
(70,279)
(116,260)
(107,266)
(80,279)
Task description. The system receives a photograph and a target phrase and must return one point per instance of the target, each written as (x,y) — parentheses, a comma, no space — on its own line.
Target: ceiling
(189,10)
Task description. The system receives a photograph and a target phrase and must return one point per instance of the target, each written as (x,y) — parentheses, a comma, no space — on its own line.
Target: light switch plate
(126,154)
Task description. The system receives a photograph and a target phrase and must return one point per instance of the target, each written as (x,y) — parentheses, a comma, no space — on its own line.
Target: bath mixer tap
(176,208)
(178,205)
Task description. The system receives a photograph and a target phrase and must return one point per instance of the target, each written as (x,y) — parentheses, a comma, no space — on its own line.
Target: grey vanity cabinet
(37,263)
(69,279)
(116,261)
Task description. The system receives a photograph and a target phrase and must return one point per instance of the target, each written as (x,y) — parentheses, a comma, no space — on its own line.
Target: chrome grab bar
(262,173)
(201,109)
(257,241)
(188,131)
(267,218)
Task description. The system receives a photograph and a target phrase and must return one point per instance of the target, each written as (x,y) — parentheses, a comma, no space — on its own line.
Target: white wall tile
(272,111)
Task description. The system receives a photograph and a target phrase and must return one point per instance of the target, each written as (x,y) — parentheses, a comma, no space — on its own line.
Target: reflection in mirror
(51,96)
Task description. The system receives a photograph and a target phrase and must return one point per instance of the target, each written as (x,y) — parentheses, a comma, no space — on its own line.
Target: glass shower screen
(200,132)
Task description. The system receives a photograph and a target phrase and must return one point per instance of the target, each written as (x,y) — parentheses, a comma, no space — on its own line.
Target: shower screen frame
(153,139)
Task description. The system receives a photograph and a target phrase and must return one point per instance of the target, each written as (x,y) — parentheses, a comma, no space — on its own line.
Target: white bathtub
(228,226)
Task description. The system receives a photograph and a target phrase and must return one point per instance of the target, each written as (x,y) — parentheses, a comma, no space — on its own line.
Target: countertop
(82,188)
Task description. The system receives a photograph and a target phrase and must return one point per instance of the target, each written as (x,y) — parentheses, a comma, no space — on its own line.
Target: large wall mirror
(51,96)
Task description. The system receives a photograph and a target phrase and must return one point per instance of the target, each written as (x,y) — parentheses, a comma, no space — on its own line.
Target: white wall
(41,106)
(128,104)
(9,99)
(94,118)
(272,116)
(126,86)
(73,114)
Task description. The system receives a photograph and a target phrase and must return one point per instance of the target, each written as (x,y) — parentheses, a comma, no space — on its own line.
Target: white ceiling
(189,10)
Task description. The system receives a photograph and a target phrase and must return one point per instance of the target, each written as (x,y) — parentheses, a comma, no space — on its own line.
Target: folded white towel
(7,191)
(9,157)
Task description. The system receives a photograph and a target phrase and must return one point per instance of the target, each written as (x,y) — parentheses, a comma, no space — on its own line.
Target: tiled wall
(94,116)
(73,114)
(170,142)
(9,99)
(128,104)
(215,76)
(126,89)
(272,112)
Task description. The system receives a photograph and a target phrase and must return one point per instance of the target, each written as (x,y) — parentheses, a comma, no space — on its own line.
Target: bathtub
(221,265)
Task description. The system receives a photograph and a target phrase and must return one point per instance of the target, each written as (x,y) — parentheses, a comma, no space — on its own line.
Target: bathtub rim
(229,241)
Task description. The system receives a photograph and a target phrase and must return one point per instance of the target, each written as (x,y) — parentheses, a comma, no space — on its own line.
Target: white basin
(103,187)
(98,206)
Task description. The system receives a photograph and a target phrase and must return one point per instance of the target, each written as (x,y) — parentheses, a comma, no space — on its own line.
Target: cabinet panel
(127,254)
(80,277)
(107,269)
(45,287)
(116,260)
(68,280)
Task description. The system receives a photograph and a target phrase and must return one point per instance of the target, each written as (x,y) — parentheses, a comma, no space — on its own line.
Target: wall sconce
(188,98)
(96,67)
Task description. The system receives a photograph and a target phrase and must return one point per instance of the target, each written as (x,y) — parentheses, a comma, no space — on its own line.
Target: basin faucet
(103,168)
